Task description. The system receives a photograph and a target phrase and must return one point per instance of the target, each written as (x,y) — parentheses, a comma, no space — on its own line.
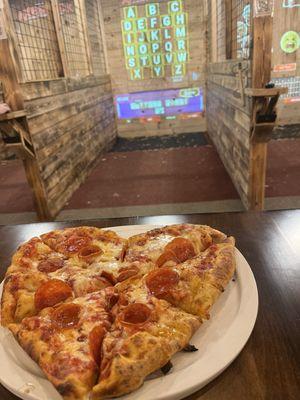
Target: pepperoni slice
(165,257)
(95,340)
(66,315)
(136,314)
(29,249)
(75,243)
(109,277)
(182,248)
(123,252)
(112,299)
(50,265)
(126,273)
(88,253)
(50,293)
(160,281)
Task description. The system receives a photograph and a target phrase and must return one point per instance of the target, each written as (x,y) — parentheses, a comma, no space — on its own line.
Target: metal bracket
(264,112)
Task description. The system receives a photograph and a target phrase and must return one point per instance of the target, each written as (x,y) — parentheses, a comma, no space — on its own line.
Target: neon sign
(158,103)
(155,40)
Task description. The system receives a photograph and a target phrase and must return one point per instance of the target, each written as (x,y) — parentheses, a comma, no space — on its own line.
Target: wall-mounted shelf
(12,115)
(14,133)
(255,92)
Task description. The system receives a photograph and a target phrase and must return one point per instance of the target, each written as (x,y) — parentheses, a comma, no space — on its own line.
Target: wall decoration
(285,67)
(155,40)
(293,85)
(290,42)
(243,33)
(158,103)
(263,8)
(290,3)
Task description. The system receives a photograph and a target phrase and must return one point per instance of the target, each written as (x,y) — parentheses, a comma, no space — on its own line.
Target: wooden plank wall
(229,120)
(71,122)
(286,19)
(5,153)
(197,28)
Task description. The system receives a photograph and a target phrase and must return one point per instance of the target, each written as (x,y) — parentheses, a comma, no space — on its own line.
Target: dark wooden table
(269,365)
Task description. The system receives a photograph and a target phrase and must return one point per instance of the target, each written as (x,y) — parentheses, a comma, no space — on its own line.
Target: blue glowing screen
(159,103)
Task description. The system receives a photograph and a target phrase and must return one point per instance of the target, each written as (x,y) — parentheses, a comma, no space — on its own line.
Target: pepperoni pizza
(99,313)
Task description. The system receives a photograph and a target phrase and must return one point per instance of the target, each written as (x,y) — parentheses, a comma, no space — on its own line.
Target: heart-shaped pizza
(99,313)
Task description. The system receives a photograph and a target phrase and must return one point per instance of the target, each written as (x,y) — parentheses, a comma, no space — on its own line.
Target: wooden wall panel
(71,122)
(196,68)
(229,118)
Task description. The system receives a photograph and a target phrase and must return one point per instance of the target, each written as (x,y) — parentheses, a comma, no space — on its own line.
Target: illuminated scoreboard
(155,40)
(186,103)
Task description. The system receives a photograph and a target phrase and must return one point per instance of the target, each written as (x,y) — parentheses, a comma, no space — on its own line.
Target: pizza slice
(17,300)
(193,285)
(86,243)
(66,340)
(38,271)
(145,335)
(176,243)
(35,256)
(29,270)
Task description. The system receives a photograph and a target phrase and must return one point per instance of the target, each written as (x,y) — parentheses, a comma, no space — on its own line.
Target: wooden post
(103,37)
(261,75)
(60,36)
(81,5)
(228,30)
(10,76)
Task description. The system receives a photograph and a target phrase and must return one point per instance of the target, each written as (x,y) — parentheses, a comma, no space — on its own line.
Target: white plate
(219,341)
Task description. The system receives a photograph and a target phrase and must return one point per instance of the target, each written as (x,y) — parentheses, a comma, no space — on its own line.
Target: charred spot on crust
(167,368)
(65,389)
(190,348)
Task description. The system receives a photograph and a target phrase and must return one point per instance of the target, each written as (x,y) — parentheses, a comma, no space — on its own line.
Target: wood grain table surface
(269,365)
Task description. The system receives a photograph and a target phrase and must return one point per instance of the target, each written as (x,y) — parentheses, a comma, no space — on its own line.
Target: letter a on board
(130,12)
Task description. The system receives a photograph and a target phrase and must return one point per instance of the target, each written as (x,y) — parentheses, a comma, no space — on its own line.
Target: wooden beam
(258,163)
(60,36)
(81,5)
(261,75)
(262,51)
(12,115)
(254,92)
(10,75)
(103,36)
(228,30)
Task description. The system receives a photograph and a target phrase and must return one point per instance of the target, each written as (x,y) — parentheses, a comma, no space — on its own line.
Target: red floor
(15,194)
(157,177)
(283,168)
